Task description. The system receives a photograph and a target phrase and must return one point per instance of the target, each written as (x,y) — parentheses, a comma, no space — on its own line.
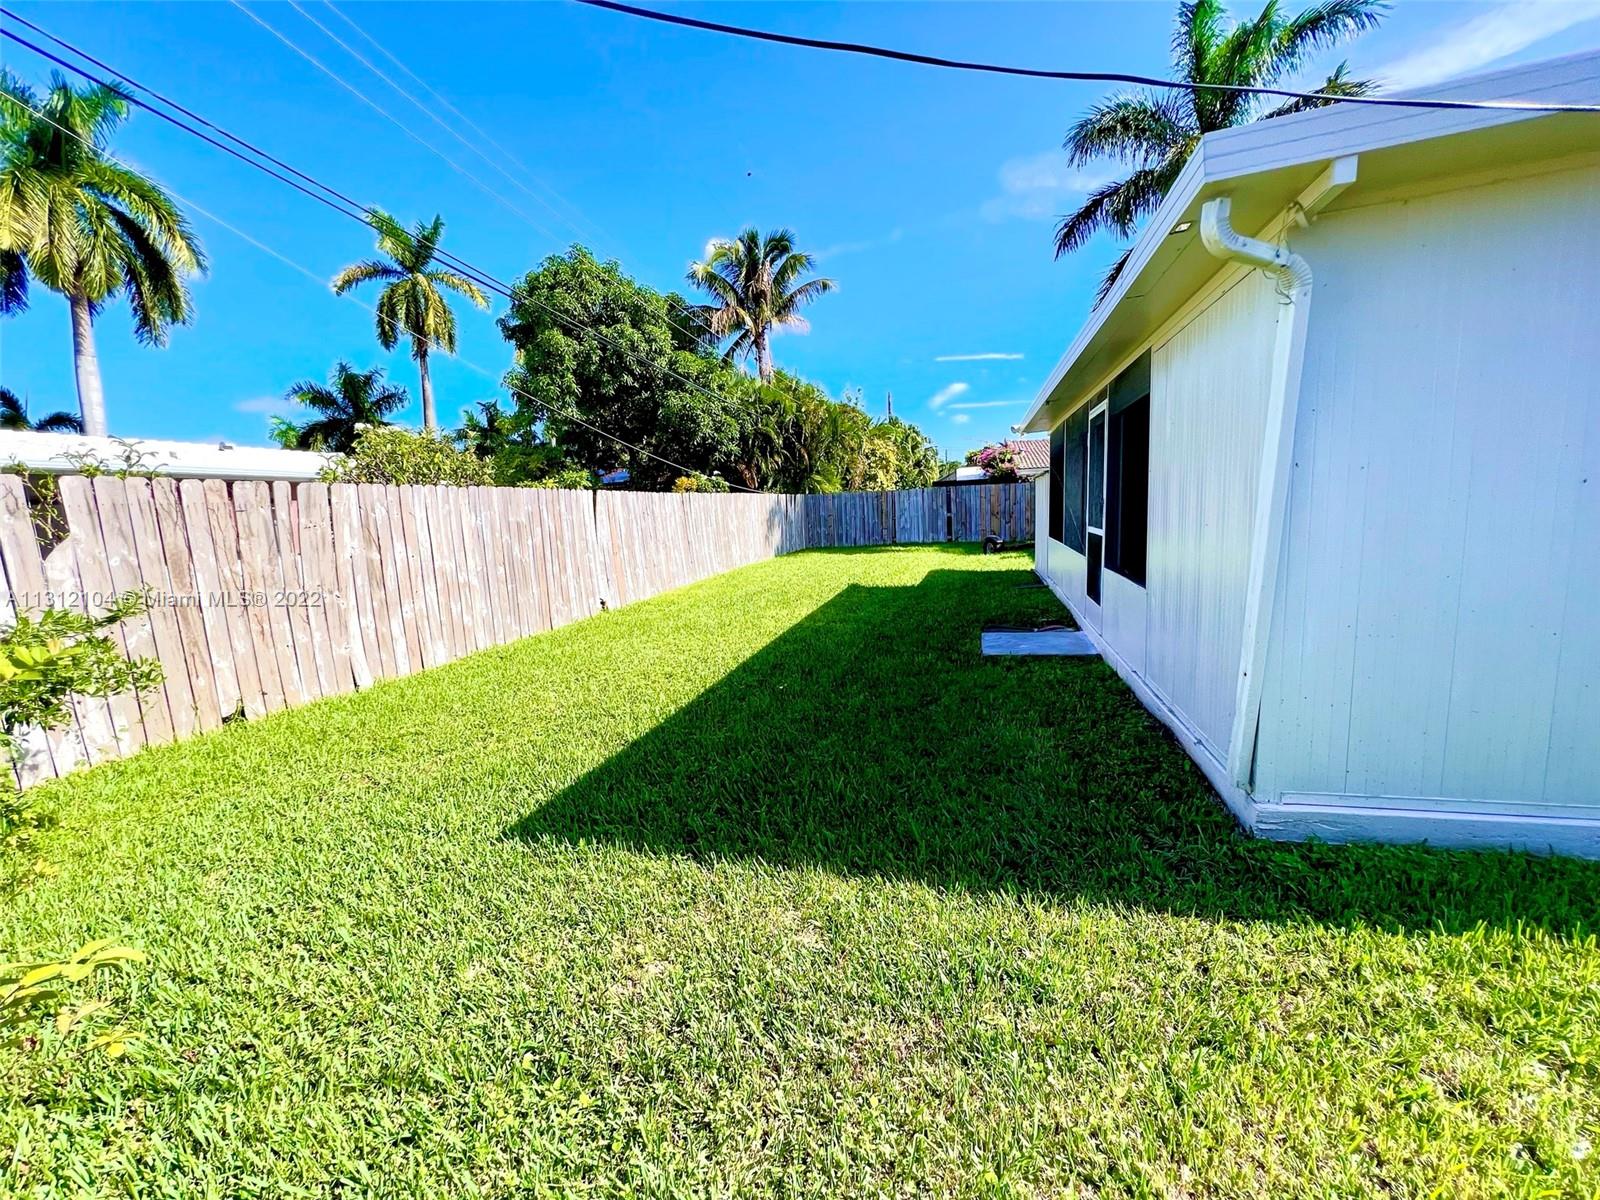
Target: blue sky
(928,195)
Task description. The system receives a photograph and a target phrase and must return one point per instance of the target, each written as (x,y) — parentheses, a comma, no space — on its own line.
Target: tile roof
(1033,454)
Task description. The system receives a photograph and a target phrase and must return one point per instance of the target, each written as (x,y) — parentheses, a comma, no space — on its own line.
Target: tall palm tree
(411,304)
(755,283)
(14,415)
(85,226)
(350,401)
(1155,132)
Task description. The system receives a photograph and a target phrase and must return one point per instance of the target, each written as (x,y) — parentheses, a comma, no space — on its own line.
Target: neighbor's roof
(1266,165)
(68,453)
(1033,454)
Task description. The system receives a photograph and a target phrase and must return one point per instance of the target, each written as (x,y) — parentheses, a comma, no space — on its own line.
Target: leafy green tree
(86,226)
(600,357)
(1155,132)
(598,365)
(916,458)
(349,402)
(756,284)
(14,415)
(485,429)
(411,303)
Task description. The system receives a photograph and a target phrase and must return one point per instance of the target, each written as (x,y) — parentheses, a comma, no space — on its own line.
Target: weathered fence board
(267,595)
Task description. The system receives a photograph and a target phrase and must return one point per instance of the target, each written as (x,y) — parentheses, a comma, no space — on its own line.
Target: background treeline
(618,381)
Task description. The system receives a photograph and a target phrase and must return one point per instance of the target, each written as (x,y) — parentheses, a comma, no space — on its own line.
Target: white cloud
(1493,34)
(960,419)
(987,404)
(1042,185)
(839,248)
(267,406)
(947,393)
(990,356)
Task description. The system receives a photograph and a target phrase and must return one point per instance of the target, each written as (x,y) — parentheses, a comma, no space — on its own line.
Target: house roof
(1033,454)
(1264,166)
(67,453)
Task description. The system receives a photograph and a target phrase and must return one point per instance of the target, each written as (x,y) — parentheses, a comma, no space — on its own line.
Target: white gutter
(1272,479)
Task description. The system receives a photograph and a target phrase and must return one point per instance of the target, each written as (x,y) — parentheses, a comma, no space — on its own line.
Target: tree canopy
(601,357)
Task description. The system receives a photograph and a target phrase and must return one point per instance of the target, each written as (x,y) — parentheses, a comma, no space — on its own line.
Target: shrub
(48,659)
(569,476)
(699,483)
(998,463)
(389,454)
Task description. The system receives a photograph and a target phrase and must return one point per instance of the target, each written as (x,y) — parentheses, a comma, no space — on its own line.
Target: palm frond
(1136,129)
(460,283)
(1337,84)
(367,271)
(1322,27)
(1112,275)
(13,280)
(59,422)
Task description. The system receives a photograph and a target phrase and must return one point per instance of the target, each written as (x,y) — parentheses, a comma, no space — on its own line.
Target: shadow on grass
(871,738)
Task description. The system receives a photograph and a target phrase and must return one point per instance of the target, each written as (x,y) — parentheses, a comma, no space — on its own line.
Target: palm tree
(1155,132)
(351,401)
(14,415)
(756,285)
(411,305)
(84,225)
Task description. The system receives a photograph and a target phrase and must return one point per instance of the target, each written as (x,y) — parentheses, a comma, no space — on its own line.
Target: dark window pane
(1097,471)
(1057,479)
(1072,475)
(1091,585)
(1128,490)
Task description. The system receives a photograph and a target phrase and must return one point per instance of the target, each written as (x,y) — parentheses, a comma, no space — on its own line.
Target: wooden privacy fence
(264,596)
(966,513)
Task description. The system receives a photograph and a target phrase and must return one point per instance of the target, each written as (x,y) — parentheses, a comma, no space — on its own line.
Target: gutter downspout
(1272,480)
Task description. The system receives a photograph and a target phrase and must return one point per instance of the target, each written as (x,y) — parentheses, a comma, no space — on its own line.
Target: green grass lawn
(774,886)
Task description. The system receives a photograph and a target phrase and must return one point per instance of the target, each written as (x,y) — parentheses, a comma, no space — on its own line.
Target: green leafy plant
(32,992)
(390,454)
(699,483)
(47,659)
(570,477)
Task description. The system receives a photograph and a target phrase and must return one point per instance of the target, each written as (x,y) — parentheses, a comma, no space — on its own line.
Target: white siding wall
(1437,629)
(1209,385)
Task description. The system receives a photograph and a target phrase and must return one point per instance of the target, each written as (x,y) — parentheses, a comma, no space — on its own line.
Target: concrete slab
(1042,641)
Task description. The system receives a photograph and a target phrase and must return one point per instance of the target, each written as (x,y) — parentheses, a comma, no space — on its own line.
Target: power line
(575,219)
(432,116)
(386,114)
(486,281)
(929,60)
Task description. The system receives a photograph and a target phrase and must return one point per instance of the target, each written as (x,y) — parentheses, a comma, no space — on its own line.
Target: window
(1072,482)
(1058,485)
(1128,490)
(1128,473)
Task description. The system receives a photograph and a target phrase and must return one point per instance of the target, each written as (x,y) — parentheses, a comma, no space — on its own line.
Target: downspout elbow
(1225,242)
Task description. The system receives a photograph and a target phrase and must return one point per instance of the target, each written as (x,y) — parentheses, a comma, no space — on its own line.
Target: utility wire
(513,293)
(574,218)
(688,333)
(929,60)
(317,279)
(387,115)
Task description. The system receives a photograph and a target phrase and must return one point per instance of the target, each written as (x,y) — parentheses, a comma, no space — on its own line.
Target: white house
(1325,482)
